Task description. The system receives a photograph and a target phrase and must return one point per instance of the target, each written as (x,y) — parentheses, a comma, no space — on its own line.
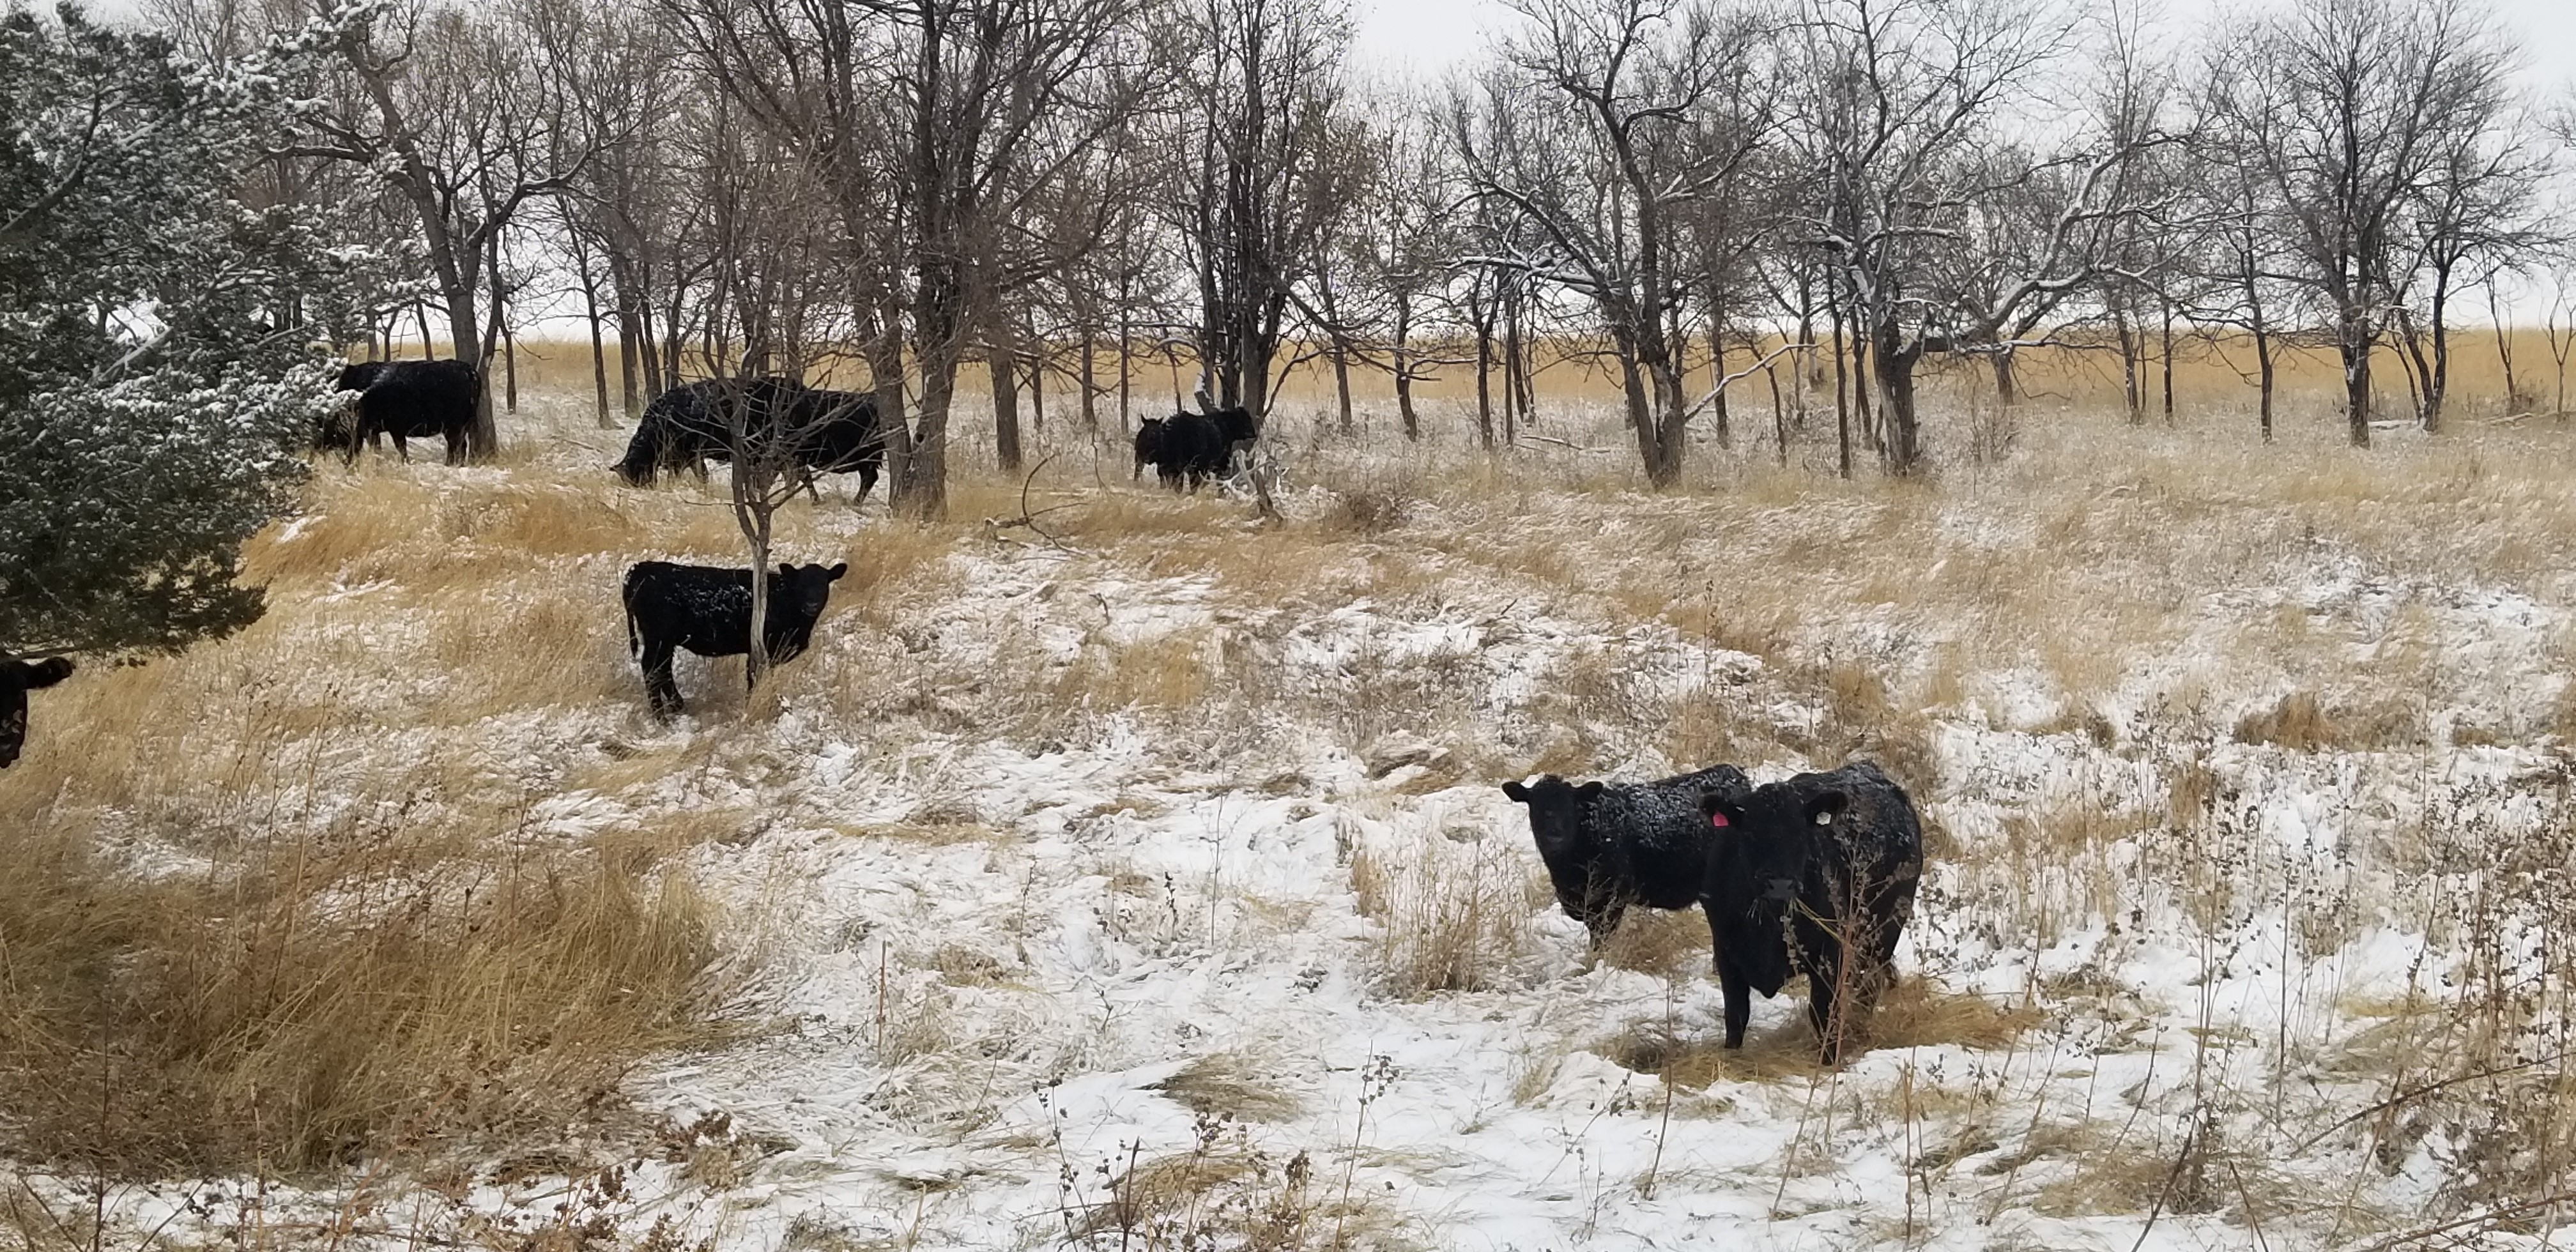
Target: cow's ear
(786,570)
(1589,790)
(1516,791)
(1719,810)
(47,672)
(838,568)
(1822,810)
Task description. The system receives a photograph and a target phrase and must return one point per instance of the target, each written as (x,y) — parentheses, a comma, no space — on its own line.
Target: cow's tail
(626,599)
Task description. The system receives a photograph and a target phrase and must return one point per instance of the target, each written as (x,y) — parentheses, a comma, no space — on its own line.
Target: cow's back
(702,608)
(1660,834)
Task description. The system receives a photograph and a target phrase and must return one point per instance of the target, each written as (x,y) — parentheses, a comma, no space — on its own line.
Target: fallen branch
(1575,447)
(1029,517)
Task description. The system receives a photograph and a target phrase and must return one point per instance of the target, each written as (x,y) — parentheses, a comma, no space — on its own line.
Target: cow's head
(1766,835)
(17,678)
(804,589)
(360,375)
(1560,815)
(1149,441)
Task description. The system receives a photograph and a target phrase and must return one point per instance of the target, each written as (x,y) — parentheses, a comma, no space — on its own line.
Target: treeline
(1704,189)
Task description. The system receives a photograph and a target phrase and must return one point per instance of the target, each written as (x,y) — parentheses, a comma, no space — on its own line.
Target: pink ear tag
(1717,819)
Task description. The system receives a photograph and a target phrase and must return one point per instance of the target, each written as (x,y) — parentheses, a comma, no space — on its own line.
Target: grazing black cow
(1149,448)
(682,428)
(17,678)
(407,400)
(1188,449)
(689,425)
(1611,845)
(1822,864)
(708,611)
(839,435)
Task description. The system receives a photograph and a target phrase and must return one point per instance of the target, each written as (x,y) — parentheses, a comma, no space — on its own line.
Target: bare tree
(2354,108)
(1625,115)
(1262,88)
(1899,116)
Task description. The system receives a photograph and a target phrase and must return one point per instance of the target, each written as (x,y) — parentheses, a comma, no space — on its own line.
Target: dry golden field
(1140,879)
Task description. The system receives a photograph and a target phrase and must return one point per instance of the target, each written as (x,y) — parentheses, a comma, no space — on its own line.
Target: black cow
(410,400)
(1611,845)
(1187,449)
(838,434)
(1825,864)
(708,611)
(686,425)
(684,428)
(17,678)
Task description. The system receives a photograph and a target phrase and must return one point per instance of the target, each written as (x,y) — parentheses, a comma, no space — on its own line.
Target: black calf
(708,611)
(1611,845)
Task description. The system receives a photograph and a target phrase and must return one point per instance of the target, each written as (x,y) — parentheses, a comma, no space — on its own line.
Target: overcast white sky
(1425,37)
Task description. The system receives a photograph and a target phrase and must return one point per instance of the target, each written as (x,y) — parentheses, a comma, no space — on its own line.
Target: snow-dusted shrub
(158,369)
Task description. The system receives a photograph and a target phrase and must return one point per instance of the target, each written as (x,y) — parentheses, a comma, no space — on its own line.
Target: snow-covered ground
(1153,888)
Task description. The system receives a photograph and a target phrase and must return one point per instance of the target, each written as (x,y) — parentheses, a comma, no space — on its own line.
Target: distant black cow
(17,678)
(407,400)
(1825,864)
(1188,449)
(836,432)
(1611,845)
(708,611)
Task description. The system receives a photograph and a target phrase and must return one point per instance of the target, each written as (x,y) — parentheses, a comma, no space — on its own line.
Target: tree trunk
(2007,387)
(1404,374)
(1090,379)
(1904,447)
(2440,389)
(1338,348)
(2165,360)
(2132,390)
(1842,397)
(2352,345)
(509,365)
(2263,367)
(1717,383)
(1481,314)
(598,347)
(1779,411)
(1003,364)
(2504,352)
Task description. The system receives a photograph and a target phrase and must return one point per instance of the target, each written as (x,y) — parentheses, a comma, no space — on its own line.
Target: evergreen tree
(158,375)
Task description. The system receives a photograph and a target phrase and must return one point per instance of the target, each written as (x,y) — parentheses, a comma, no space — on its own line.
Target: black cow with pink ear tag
(1611,845)
(1822,867)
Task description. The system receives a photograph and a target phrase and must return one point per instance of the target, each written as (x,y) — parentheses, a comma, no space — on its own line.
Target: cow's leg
(402,447)
(1739,998)
(455,447)
(867,483)
(659,687)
